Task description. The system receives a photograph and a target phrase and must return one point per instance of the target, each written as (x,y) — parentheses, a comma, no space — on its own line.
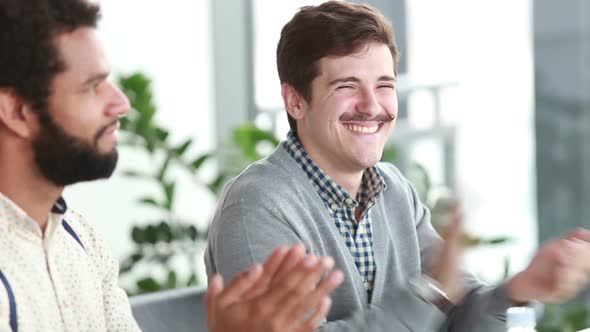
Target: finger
(566,290)
(573,254)
(269,270)
(566,283)
(239,285)
(446,269)
(574,275)
(272,264)
(317,317)
(581,254)
(213,289)
(294,256)
(309,280)
(579,233)
(290,286)
(310,266)
(453,233)
(325,288)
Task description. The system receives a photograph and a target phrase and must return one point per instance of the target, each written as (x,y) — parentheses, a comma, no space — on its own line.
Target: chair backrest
(176,310)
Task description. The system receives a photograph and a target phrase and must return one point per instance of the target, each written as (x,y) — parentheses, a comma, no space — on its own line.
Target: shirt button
(349,201)
(334,207)
(367,285)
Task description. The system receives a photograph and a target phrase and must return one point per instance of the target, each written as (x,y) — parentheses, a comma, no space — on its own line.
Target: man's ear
(16,116)
(294,102)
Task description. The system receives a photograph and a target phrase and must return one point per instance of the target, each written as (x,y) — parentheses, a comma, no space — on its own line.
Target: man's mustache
(361,117)
(104,129)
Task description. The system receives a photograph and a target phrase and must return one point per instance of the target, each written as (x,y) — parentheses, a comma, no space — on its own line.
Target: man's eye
(94,87)
(342,87)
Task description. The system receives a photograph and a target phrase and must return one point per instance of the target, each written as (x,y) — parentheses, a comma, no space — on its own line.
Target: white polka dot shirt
(63,280)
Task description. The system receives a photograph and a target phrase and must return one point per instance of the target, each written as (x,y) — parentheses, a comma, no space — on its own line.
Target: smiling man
(324,187)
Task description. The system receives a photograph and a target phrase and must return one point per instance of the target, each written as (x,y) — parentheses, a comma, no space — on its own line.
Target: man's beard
(65,159)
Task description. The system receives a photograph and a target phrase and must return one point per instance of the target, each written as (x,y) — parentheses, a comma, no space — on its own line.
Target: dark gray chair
(178,310)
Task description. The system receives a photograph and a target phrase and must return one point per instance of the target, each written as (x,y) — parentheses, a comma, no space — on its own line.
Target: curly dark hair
(29,58)
(334,28)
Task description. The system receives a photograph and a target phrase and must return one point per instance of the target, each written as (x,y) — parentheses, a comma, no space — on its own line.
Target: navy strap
(70,230)
(11,302)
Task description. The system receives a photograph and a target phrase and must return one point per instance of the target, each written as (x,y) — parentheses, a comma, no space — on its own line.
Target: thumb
(453,232)
(239,286)
(213,289)
(446,269)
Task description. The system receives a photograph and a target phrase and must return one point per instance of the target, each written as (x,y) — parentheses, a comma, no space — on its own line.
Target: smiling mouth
(365,129)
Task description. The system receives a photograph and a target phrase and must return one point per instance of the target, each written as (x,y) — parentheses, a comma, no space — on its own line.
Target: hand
(446,270)
(284,295)
(559,270)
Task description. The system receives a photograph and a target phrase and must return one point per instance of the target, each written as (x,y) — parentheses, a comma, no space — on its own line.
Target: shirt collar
(372,183)
(13,215)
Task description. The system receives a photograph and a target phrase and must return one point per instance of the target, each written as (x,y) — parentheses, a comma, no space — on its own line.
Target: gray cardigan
(273,203)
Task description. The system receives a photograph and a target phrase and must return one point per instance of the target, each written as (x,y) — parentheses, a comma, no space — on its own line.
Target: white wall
(169,41)
(486,47)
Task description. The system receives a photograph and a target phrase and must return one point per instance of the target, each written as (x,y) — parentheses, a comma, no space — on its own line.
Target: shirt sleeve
(484,307)
(117,310)
(116,307)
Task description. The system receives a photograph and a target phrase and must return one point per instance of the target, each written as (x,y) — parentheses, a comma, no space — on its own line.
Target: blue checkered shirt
(357,235)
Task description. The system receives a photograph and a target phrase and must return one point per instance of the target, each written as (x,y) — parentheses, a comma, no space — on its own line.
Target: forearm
(402,311)
(482,309)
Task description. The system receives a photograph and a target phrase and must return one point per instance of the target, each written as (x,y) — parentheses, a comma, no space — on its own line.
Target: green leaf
(135,174)
(162,259)
(149,201)
(248,136)
(181,149)
(164,232)
(137,83)
(199,161)
(169,189)
(164,168)
(192,232)
(145,122)
(148,284)
(476,241)
(129,262)
(138,235)
(506,272)
(151,234)
(192,280)
(171,281)
(150,146)
(215,185)
(161,134)
(577,318)
(125,123)
(498,240)
(419,177)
